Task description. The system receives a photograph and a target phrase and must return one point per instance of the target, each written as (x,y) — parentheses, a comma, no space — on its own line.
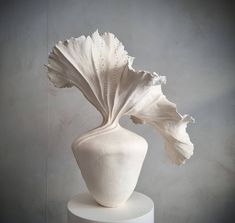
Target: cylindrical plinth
(138,209)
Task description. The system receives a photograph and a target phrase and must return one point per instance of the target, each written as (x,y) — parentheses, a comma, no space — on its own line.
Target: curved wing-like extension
(101,68)
(159,112)
(87,63)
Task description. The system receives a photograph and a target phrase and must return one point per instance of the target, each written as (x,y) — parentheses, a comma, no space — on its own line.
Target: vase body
(110,160)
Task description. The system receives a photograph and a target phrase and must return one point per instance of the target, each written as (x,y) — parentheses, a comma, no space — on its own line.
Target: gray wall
(191,42)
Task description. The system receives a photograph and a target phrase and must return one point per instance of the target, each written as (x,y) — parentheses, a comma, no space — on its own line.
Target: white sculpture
(110,157)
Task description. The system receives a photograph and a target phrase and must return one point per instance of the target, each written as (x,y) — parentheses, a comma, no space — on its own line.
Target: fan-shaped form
(101,68)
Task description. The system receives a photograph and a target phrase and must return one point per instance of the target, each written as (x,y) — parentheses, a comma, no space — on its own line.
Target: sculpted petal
(100,67)
(160,113)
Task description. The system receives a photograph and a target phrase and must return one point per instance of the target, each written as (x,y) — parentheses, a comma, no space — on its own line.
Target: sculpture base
(138,209)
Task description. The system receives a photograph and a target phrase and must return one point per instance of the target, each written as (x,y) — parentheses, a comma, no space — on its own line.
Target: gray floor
(191,42)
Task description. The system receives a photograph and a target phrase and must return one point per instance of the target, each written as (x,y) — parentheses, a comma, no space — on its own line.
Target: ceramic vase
(110,162)
(110,157)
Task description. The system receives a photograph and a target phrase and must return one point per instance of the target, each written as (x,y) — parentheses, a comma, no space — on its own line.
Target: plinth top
(84,208)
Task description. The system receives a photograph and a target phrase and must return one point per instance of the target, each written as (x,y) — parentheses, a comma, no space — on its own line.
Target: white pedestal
(138,209)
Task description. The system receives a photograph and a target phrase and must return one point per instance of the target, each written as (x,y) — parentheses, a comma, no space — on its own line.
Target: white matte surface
(102,69)
(138,209)
(110,157)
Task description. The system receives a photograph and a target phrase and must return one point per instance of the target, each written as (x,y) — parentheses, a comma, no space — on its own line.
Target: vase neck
(108,121)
